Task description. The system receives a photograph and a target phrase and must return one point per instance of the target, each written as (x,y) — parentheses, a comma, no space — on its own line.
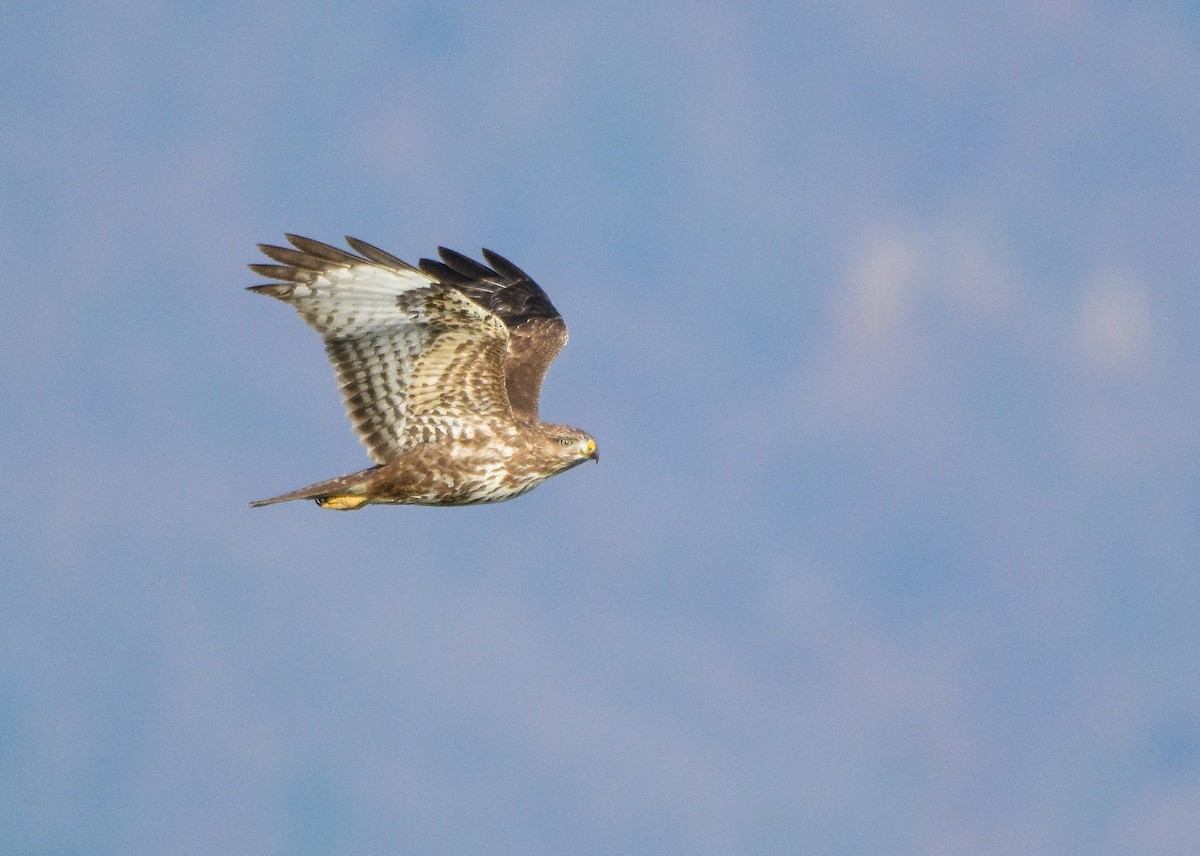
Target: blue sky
(883,315)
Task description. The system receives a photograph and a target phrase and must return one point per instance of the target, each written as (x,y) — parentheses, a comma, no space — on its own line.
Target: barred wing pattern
(417,360)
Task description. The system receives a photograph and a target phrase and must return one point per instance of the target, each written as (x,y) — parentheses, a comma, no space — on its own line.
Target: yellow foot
(342,503)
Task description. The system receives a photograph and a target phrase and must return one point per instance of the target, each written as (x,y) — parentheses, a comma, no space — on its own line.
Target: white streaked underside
(417,361)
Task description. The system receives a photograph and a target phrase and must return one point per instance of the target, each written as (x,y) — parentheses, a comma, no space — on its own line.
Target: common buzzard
(441,368)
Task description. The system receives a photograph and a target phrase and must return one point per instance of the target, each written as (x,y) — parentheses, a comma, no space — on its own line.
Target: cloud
(1114,328)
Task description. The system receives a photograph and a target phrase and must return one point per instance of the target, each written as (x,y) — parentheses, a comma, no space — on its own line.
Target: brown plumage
(441,368)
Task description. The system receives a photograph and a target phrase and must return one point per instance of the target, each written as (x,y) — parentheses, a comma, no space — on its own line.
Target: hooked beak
(593,452)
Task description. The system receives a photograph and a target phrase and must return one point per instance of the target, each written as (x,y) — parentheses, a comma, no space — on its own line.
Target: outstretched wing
(417,360)
(536,330)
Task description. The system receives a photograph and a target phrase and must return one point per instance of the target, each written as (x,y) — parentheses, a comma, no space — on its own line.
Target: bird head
(569,446)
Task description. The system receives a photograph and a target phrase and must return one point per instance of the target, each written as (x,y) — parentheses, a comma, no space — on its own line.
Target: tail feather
(346,490)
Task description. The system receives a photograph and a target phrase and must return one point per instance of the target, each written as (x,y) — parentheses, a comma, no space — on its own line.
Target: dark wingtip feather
(325,252)
(372,253)
(443,272)
(274,289)
(504,267)
(292,258)
(465,265)
(284,272)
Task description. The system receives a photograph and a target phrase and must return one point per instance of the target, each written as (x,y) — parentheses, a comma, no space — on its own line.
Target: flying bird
(441,367)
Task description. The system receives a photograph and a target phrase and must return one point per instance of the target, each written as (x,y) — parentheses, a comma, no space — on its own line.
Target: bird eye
(565,441)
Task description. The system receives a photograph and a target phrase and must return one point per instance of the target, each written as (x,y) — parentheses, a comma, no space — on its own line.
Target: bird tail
(344,493)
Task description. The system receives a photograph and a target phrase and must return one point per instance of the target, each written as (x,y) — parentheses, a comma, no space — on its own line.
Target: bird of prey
(441,367)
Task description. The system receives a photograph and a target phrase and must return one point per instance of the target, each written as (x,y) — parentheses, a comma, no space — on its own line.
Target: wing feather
(380,257)
(536,330)
(465,266)
(416,359)
(293,258)
(504,267)
(319,250)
